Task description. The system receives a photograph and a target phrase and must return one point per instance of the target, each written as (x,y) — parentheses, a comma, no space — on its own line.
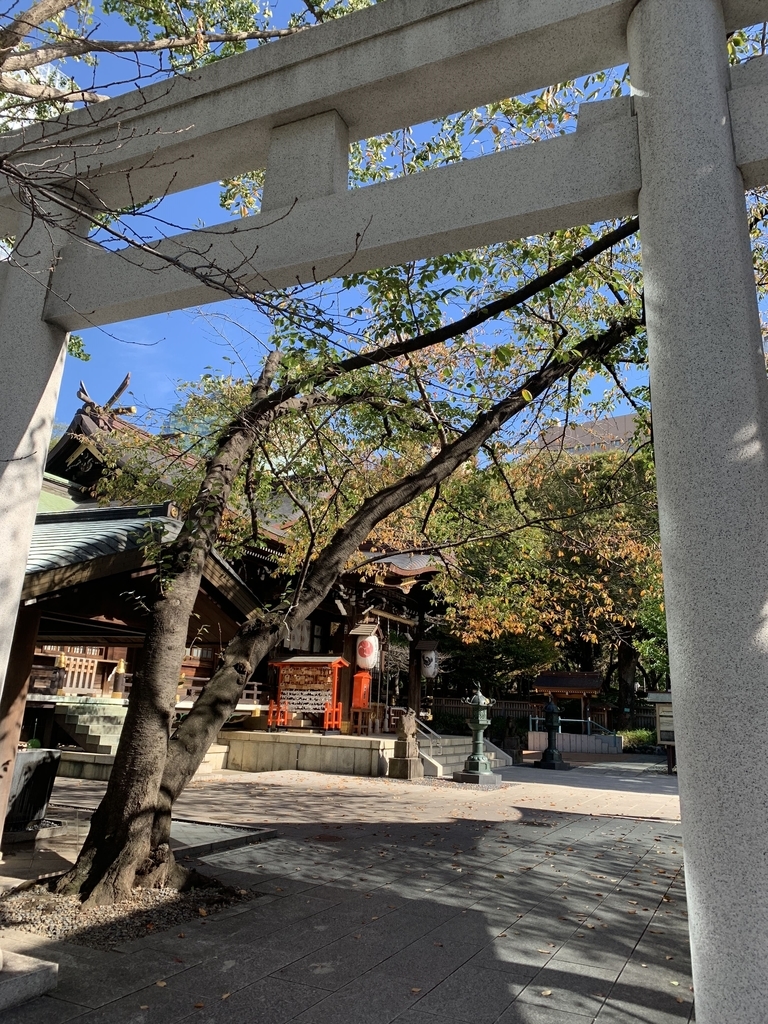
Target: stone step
(23,978)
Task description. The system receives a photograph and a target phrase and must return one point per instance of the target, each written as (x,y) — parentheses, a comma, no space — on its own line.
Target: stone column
(710,419)
(14,699)
(31,363)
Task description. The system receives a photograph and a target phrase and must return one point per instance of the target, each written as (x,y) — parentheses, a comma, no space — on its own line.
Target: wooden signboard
(309,685)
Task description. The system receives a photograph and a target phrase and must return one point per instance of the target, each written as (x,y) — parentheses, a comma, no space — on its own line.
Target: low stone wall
(572,743)
(293,751)
(78,764)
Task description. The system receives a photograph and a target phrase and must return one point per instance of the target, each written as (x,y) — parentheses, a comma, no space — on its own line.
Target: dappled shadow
(367,918)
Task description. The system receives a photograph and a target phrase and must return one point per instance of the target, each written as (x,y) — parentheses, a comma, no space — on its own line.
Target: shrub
(638,740)
(450,725)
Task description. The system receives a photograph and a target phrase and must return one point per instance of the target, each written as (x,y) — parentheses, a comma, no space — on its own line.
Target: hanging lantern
(429,664)
(367,652)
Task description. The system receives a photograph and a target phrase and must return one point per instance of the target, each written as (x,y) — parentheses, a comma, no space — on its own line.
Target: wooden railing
(332,716)
(278,714)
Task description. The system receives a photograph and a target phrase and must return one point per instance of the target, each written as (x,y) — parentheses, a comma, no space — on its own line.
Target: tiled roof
(68,538)
(408,565)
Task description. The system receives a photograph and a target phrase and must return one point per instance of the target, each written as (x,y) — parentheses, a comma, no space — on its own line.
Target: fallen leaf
(226,995)
(547,951)
(199,1006)
(669,958)
(202,912)
(181,935)
(438,943)
(144,1007)
(546,991)
(674,983)
(161,984)
(679,999)
(498,876)
(415,990)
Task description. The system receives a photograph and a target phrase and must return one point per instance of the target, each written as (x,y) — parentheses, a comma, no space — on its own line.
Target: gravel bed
(446,783)
(147,911)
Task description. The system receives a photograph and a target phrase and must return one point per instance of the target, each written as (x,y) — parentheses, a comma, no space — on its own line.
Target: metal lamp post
(477,768)
(552,758)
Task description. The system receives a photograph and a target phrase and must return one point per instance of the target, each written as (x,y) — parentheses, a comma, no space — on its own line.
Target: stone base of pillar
(406,768)
(23,978)
(485,779)
(553,765)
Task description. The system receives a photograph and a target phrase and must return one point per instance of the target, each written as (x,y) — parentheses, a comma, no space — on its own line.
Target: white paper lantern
(367,652)
(429,664)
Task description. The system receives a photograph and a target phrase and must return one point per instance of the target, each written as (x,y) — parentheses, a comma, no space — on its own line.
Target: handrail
(589,722)
(431,735)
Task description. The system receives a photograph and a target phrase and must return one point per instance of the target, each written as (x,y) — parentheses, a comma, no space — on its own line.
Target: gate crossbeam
(590,175)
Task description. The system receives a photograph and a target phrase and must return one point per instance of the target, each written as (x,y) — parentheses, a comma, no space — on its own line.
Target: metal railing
(434,739)
(591,724)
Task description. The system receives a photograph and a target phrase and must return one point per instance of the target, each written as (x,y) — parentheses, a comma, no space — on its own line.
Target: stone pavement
(544,902)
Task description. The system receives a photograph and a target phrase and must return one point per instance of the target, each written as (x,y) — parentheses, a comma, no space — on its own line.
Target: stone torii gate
(679,152)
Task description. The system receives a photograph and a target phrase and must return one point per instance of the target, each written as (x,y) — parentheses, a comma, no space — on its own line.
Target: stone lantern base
(486,779)
(553,760)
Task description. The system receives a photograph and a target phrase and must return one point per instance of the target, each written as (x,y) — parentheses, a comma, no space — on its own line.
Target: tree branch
(35,91)
(74,47)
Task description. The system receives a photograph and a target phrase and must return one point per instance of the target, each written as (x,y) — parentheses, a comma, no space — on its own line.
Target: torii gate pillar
(710,418)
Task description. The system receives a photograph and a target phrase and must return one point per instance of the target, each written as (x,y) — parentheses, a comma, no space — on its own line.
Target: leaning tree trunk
(254,640)
(149,772)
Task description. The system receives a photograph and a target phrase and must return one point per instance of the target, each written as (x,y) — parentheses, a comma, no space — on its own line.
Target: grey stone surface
(413,945)
(306,159)
(473,994)
(482,779)
(29,389)
(405,767)
(23,978)
(46,1010)
(710,415)
(572,179)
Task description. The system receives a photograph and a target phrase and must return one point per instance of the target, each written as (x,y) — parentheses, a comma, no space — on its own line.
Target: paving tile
(373,998)
(92,977)
(265,1002)
(473,994)
(416,1016)
(530,1013)
(45,1010)
(575,988)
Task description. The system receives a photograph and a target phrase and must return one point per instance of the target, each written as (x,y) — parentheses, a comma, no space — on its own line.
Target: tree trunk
(627,668)
(119,839)
(118,852)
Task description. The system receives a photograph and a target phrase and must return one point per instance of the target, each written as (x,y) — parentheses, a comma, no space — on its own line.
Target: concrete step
(23,978)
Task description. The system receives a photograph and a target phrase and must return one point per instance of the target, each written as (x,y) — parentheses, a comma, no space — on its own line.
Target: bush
(639,741)
(450,725)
